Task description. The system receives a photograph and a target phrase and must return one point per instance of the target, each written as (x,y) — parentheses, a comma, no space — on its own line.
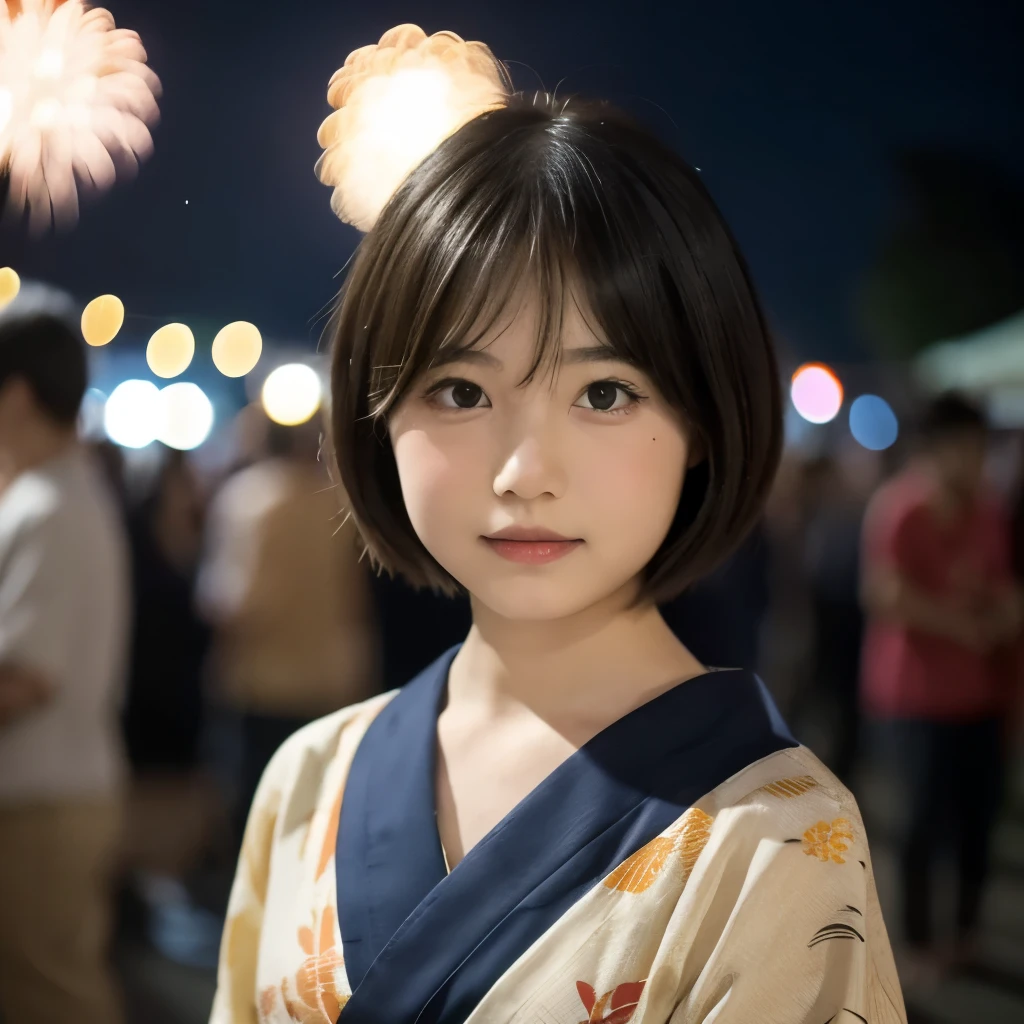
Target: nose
(531,468)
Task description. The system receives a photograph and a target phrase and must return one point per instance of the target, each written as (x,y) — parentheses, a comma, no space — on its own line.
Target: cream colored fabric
(758,904)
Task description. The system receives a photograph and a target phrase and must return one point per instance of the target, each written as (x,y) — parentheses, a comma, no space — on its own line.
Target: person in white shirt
(64,613)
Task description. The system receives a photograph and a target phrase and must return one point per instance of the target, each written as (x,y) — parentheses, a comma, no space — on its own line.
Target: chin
(539,597)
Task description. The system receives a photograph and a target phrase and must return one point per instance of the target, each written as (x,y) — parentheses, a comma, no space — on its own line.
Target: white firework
(76,104)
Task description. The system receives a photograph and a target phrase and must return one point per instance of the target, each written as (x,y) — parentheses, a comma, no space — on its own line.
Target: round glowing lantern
(102,319)
(10,285)
(292,394)
(237,348)
(170,350)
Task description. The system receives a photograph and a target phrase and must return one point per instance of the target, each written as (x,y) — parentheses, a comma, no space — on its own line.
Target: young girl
(553,389)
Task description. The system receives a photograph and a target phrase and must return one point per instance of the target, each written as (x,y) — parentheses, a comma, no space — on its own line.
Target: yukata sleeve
(235,1001)
(803,940)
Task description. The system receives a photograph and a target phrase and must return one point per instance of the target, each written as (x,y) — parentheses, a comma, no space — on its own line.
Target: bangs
(467,261)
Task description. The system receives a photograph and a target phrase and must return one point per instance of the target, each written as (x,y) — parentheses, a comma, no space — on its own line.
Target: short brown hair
(575,195)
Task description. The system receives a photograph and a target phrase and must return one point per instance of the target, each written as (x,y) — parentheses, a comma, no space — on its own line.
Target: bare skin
(523,700)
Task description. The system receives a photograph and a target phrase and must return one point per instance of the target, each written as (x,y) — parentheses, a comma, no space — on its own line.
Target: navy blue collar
(422,946)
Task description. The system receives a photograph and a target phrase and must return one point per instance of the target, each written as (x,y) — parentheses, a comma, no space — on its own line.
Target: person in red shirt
(939,593)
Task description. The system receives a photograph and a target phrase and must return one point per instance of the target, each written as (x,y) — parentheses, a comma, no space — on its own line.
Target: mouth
(530,545)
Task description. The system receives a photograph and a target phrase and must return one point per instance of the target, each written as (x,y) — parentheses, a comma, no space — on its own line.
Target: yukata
(690,864)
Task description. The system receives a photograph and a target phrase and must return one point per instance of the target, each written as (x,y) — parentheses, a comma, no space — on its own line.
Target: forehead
(530,331)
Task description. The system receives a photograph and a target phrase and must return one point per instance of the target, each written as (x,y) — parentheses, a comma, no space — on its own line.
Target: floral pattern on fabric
(312,997)
(686,912)
(826,840)
(638,873)
(621,1002)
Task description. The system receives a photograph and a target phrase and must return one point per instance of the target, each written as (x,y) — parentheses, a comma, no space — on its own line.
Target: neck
(35,447)
(603,661)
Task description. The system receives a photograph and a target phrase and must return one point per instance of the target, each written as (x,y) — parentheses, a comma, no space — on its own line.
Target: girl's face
(590,453)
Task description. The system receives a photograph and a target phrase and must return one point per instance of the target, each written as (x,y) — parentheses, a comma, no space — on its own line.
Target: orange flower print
(693,834)
(330,836)
(825,841)
(268,1000)
(639,872)
(621,1002)
(311,997)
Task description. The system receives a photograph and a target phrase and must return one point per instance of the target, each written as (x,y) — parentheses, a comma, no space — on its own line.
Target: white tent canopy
(988,360)
(988,363)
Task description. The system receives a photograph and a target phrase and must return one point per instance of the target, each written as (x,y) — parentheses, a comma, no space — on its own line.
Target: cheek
(636,480)
(433,478)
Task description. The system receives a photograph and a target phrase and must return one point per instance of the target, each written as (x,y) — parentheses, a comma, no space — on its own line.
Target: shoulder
(31,503)
(790,797)
(306,756)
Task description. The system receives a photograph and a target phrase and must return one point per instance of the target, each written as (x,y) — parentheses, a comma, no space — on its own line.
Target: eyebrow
(573,356)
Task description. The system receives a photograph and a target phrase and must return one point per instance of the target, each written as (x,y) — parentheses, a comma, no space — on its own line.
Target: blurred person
(785,648)
(164,705)
(289,601)
(63,633)
(938,592)
(840,487)
(173,807)
(1012,661)
(110,457)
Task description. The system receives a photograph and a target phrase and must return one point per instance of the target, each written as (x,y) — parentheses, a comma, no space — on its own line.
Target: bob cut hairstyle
(575,200)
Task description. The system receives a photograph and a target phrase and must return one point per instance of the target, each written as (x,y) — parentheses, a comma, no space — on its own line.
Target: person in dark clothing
(164,706)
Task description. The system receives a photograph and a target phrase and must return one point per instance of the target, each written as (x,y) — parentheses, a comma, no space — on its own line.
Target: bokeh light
(102,319)
(873,423)
(170,350)
(132,414)
(292,394)
(10,285)
(816,393)
(185,416)
(237,348)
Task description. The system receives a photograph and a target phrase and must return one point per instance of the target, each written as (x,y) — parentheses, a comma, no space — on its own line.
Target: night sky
(790,109)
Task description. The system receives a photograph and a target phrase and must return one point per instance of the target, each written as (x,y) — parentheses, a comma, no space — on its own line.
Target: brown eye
(458,394)
(466,395)
(610,396)
(602,395)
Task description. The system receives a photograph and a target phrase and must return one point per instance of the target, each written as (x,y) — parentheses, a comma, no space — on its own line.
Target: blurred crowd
(164,628)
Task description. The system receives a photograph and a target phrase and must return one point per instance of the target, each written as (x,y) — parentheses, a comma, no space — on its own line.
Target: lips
(529,534)
(531,545)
